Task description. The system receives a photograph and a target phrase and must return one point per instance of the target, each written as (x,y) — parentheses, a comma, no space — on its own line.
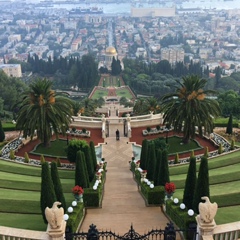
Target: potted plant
(169,189)
(78,193)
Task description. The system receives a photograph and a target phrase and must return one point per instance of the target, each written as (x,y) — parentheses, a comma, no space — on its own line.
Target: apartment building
(12,70)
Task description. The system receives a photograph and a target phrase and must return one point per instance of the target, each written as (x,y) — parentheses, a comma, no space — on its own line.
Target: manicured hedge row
(153,196)
(234,125)
(226,200)
(180,218)
(75,217)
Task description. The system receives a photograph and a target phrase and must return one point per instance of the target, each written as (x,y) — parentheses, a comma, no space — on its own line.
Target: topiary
(232,144)
(206,154)
(220,149)
(176,160)
(42,159)
(12,154)
(58,162)
(26,157)
(192,154)
(84,130)
(148,129)
(158,127)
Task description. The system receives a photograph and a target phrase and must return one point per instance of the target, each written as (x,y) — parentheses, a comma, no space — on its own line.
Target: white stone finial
(207,210)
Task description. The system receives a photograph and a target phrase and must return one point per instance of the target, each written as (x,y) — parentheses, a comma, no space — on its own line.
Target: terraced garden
(224,181)
(20,195)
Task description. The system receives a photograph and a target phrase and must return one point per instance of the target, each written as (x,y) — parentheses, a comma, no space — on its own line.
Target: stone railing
(22,234)
(228,231)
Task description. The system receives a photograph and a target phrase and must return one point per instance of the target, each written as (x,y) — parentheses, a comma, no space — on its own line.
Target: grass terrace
(224,180)
(20,195)
(111,81)
(124,92)
(98,93)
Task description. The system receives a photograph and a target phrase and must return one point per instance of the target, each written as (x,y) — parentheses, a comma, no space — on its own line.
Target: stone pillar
(205,230)
(57,234)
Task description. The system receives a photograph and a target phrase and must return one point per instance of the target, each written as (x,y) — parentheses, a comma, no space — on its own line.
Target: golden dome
(111,50)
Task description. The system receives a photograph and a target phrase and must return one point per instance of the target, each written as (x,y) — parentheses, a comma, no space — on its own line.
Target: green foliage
(164,170)
(89,162)
(151,163)
(43,111)
(229,129)
(93,154)
(42,159)
(81,173)
(180,218)
(158,171)
(176,159)
(2,134)
(206,152)
(12,154)
(73,147)
(48,196)
(144,155)
(26,157)
(160,143)
(190,183)
(148,129)
(58,162)
(220,148)
(158,127)
(232,144)
(75,217)
(57,186)
(192,154)
(202,185)
(178,110)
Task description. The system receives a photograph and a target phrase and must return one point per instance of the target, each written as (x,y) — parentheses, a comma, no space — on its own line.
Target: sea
(125,8)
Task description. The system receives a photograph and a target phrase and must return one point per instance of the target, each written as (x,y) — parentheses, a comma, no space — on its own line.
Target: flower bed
(154,131)
(79,133)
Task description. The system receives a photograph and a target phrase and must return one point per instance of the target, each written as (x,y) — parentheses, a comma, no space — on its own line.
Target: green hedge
(153,196)
(234,125)
(226,200)
(180,217)
(75,217)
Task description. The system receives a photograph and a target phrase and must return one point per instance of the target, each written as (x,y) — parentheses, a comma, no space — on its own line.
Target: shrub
(176,160)
(206,153)
(232,144)
(12,154)
(148,129)
(74,129)
(84,130)
(158,127)
(42,159)
(26,157)
(58,162)
(220,149)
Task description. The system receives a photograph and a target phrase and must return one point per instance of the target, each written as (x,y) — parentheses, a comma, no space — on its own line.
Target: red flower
(77,190)
(138,162)
(144,171)
(98,173)
(170,187)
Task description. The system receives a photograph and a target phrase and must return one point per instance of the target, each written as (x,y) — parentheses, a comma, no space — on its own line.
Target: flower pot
(78,197)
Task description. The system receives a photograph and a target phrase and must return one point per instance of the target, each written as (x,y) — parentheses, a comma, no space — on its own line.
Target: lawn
(99,93)
(57,149)
(111,82)
(223,177)
(124,92)
(176,146)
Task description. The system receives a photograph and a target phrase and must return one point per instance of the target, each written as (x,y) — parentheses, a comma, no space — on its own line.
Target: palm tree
(189,107)
(146,105)
(43,111)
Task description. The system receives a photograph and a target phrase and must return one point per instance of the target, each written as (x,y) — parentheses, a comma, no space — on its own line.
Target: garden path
(122,203)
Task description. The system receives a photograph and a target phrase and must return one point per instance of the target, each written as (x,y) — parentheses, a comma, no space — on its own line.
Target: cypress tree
(144,155)
(93,154)
(232,144)
(151,162)
(164,170)
(202,185)
(229,129)
(81,173)
(48,196)
(220,149)
(206,153)
(190,184)
(57,185)
(12,154)
(2,134)
(42,159)
(26,157)
(89,162)
(158,166)
(176,160)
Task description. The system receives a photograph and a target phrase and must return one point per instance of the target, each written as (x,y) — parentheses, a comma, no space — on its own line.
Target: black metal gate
(169,233)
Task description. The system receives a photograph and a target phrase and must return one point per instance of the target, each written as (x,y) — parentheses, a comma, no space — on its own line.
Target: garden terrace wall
(86,122)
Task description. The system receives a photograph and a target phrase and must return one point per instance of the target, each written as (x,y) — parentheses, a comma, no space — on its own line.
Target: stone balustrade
(22,234)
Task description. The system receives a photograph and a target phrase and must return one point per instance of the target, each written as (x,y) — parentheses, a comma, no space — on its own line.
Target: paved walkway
(122,203)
